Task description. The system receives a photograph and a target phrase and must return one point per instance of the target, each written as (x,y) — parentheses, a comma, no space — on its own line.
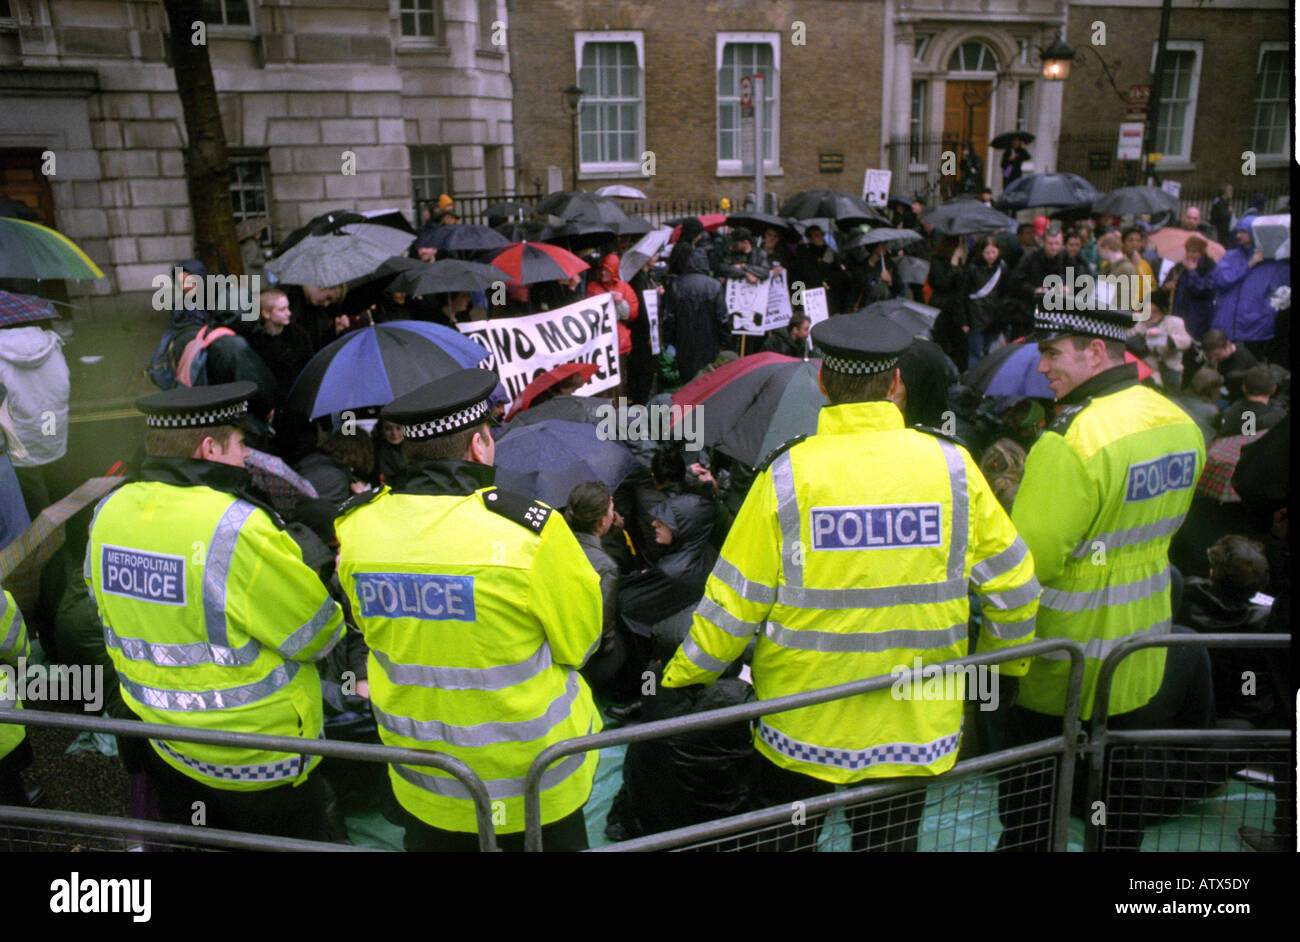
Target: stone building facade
(417,90)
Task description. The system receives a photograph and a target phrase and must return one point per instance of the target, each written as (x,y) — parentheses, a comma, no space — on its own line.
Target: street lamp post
(573,101)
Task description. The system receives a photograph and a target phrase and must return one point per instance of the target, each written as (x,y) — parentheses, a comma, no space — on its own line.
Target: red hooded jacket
(619,289)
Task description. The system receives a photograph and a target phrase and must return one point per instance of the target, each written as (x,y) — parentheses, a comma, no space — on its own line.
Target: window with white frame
(738,55)
(611,118)
(919,45)
(248,190)
(1178,87)
(1270,134)
(917,124)
(487,15)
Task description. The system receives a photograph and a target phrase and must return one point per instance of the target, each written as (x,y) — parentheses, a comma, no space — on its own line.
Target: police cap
(198,406)
(445,406)
(860,343)
(1108,325)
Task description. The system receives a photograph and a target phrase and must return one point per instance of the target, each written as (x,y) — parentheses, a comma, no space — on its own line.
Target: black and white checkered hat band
(1072,322)
(449,423)
(857,367)
(222,416)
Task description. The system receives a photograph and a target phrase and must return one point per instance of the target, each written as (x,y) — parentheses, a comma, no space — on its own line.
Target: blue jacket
(1194,297)
(1241,309)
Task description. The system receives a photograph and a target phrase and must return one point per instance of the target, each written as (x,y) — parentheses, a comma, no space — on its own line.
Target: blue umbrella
(1018,375)
(375,365)
(549,459)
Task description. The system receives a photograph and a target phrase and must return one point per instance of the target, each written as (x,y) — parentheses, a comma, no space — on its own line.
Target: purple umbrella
(24,309)
(277,480)
(1014,373)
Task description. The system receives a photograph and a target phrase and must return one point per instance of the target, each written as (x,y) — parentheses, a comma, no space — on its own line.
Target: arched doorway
(968,101)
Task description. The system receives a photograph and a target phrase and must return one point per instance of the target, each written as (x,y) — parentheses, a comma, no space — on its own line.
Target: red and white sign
(746,94)
(1130,140)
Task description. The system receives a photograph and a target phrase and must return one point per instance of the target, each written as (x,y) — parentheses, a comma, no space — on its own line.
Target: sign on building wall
(1130,141)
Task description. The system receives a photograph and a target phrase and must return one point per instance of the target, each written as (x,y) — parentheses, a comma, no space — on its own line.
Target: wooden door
(966,109)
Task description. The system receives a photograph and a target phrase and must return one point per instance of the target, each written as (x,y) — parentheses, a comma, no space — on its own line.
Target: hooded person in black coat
(684,523)
(949,295)
(695,321)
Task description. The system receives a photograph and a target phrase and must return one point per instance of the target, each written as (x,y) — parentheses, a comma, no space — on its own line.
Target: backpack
(191,368)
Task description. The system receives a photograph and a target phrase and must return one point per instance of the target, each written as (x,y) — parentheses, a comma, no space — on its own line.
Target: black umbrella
(915,317)
(758,222)
(899,202)
(1003,140)
(446,275)
(549,459)
(1046,189)
(337,220)
(526,230)
(1135,200)
(963,217)
(387,269)
(880,234)
(844,208)
(636,225)
(576,236)
(584,208)
(463,238)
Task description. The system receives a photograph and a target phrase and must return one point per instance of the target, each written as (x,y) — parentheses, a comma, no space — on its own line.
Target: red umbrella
(1143,370)
(698,390)
(532,262)
(548,379)
(710,221)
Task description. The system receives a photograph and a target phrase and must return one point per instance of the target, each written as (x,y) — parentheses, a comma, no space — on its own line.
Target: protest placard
(814,305)
(521,348)
(651,297)
(761,307)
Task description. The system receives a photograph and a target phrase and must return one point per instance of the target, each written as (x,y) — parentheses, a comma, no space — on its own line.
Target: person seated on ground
(314,308)
(590,514)
(1199,401)
(792,339)
(1230,360)
(682,526)
(1225,602)
(1167,339)
(1254,412)
(340,466)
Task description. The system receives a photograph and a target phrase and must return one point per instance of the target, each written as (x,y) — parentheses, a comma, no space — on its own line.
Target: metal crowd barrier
(133,830)
(1055,755)
(1189,766)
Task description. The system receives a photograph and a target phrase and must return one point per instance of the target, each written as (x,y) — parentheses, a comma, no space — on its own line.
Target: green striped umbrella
(30,250)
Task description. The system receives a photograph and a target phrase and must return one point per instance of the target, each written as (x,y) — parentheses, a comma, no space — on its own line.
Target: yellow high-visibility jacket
(478,607)
(13,645)
(212,619)
(1105,488)
(851,558)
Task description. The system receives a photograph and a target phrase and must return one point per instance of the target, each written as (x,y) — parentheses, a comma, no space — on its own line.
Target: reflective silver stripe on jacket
(714,613)
(283,770)
(864,642)
(15,630)
(304,636)
(882,597)
(1000,564)
(1013,598)
(225,699)
(483,734)
(1129,536)
(787,513)
(1100,648)
(1111,595)
(701,658)
(182,655)
(960,510)
(87,568)
(498,789)
(902,753)
(732,578)
(216,569)
(1010,630)
(466,678)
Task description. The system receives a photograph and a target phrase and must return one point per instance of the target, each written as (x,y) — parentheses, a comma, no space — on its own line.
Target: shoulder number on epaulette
(1067,415)
(938,433)
(777,452)
(357,500)
(522,510)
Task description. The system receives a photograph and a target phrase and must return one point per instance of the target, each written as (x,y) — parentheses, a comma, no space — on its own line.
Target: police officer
(851,558)
(15,750)
(1105,488)
(213,620)
(478,607)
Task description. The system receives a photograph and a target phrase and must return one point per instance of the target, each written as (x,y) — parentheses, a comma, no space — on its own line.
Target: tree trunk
(207,171)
